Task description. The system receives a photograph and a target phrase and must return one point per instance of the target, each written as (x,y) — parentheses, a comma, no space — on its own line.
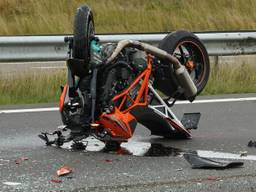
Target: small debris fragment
(64,171)
(24,158)
(79,146)
(251,143)
(243,153)
(108,160)
(11,183)
(18,161)
(179,169)
(56,181)
(212,178)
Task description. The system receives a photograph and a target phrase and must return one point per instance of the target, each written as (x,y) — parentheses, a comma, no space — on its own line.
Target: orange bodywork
(62,97)
(190,65)
(121,123)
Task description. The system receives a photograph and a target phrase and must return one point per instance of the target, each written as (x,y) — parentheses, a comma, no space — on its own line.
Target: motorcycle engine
(118,76)
(111,80)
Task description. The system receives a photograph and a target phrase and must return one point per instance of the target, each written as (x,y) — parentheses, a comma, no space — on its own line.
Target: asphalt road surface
(26,164)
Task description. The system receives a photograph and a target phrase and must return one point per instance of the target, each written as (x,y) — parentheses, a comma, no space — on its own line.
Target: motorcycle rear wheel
(191,53)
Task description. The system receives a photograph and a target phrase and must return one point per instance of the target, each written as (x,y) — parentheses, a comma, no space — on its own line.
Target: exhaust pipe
(182,74)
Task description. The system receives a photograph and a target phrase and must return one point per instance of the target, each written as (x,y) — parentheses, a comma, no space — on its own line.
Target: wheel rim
(191,56)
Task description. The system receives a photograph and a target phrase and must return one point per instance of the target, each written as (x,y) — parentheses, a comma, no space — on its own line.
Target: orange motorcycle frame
(120,124)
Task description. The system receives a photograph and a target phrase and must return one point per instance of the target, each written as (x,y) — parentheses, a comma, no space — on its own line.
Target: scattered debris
(64,171)
(251,143)
(18,161)
(108,160)
(179,169)
(11,183)
(213,178)
(243,153)
(79,146)
(198,162)
(56,181)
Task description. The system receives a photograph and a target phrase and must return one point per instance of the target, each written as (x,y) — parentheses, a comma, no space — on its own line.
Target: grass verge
(31,87)
(48,16)
(45,87)
(227,79)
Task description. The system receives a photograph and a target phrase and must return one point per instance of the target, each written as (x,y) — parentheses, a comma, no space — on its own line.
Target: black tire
(83,32)
(188,45)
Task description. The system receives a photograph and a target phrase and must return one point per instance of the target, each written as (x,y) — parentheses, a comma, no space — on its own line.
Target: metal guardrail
(53,48)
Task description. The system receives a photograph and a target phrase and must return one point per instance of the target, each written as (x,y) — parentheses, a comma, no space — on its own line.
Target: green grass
(31,88)
(56,16)
(44,87)
(229,79)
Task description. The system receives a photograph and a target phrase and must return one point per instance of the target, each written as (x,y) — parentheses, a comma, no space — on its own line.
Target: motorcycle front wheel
(83,33)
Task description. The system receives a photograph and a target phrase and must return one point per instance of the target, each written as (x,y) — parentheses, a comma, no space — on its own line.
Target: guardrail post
(216,63)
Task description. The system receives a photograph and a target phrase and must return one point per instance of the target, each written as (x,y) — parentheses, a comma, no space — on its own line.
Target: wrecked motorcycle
(114,86)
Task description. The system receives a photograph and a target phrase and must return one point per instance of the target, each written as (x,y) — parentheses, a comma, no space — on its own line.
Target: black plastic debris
(79,146)
(190,120)
(251,143)
(198,162)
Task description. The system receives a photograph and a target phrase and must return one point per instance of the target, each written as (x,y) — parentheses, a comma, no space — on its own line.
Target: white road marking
(30,110)
(219,100)
(178,102)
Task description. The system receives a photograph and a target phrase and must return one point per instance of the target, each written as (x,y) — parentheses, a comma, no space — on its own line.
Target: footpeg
(190,120)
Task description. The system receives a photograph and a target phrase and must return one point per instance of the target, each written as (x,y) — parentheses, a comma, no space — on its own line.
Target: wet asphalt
(225,127)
